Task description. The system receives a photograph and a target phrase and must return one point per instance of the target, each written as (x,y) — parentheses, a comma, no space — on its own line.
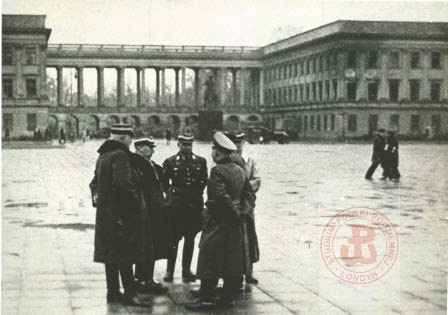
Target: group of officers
(144,210)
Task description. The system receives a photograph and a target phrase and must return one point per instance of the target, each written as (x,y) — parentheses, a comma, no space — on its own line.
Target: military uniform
(185,177)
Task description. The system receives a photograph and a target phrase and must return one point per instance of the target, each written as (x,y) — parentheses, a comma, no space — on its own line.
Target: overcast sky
(201,22)
(206,22)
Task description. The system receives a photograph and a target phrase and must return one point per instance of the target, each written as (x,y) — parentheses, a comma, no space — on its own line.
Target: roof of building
(12,23)
(365,29)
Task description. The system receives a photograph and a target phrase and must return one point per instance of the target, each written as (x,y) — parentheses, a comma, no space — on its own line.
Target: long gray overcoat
(223,250)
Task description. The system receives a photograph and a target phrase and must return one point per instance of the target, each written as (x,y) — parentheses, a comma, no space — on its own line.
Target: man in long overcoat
(223,253)
(121,217)
(185,177)
(249,166)
(379,143)
(160,229)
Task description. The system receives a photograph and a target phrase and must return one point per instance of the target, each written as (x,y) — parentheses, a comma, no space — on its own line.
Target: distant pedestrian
(379,143)
(122,223)
(391,157)
(223,252)
(62,137)
(168,136)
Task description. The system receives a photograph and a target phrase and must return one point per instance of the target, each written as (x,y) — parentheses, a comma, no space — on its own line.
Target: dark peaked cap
(185,138)
(223,143)
(236,137)
(122,129)
(144,141)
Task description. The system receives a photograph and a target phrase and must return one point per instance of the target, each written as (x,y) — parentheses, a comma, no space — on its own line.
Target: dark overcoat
(121,226)
(378,148)
(160,227)
(223,250)
(185,178)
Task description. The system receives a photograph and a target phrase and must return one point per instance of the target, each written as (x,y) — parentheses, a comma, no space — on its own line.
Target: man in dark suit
(121,218)
(185,177)
(160,231)
(379,143)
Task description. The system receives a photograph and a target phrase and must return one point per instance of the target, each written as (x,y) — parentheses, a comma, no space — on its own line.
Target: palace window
(415,60)
(394,122)
(352,123)
(7,122)
(31,122)
(327,88)
(351,59)
(312,122)
(373,59)
(415,90)
(325,122)
(435,123)
(30,53)
(351,91)
(302,65)
(313,89)
(335,60)
(394,88)
(319,89)
(307,92)
(295,69)
(318,122)
(7,86)
(328,61)
(7,55)
(435,91)
(31,88)
(373,90)
(296,97)
(305,122)
(335,89)
(394,59)
(332,121)
(301,92)
(314,69)
(415,123)
(435,60)
(321,63)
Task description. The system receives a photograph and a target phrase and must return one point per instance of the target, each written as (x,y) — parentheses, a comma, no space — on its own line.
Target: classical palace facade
(343,79)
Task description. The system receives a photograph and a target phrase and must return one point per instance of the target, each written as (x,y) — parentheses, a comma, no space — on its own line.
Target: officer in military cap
(159,238)
(248,164)
(223,253)
(185,177)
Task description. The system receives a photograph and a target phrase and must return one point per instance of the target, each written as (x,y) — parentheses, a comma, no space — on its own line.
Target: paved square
(48,226)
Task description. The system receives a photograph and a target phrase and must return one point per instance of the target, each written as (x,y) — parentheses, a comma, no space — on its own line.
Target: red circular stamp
(359,245)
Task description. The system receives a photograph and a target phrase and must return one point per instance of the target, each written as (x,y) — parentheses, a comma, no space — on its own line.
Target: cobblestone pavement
(48,226)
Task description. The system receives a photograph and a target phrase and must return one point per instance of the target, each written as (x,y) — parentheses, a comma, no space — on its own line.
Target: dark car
(281,136)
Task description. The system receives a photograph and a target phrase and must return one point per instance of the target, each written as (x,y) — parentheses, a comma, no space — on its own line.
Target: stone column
(222,86)
(120,87)
(163,96)
(201,86)
(404,93)
(383,92)
(196,87)
(426,84)
(184,88)
(362,82)
(80,81)
(242,86)
(100,86)
(157,70)
(145,100)
(233,71)
(342,89)
(139,91)
(60,83)
(261,101)
(176,91)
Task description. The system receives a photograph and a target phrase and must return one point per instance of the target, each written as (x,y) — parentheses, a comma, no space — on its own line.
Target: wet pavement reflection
(48,227)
